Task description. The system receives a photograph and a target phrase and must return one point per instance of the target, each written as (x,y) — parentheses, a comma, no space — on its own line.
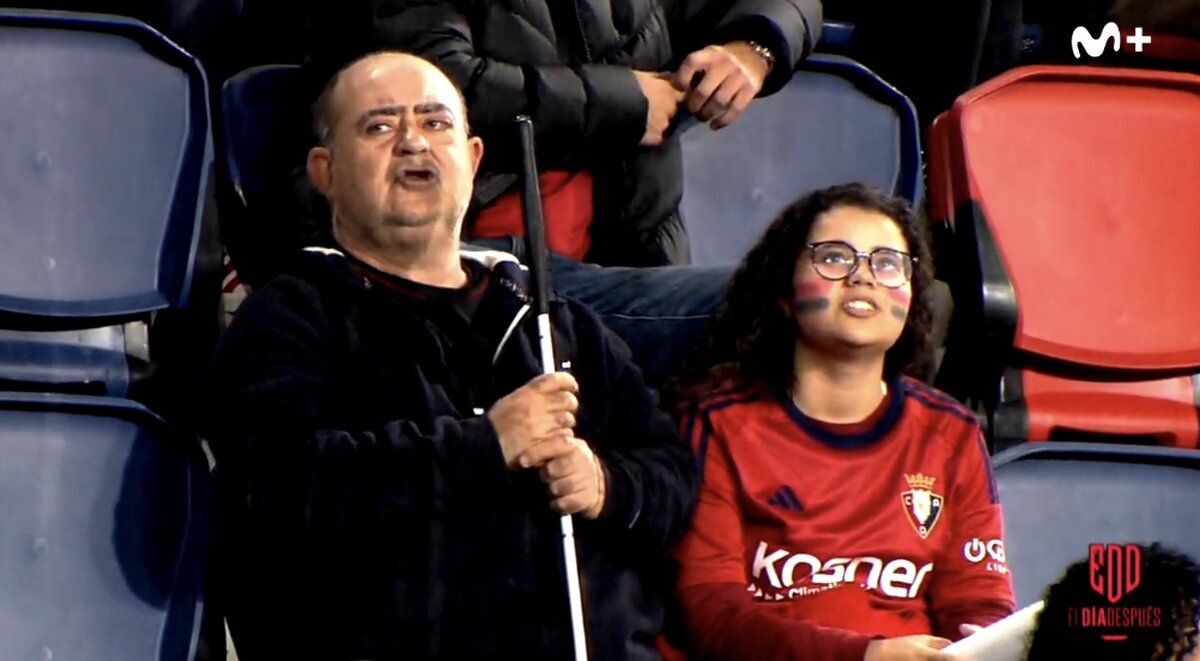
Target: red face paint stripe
(900,296)
(808,288)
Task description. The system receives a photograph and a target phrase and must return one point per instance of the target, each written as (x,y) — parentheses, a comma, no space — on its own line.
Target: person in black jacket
(393,464)
(602,80)
(586,72)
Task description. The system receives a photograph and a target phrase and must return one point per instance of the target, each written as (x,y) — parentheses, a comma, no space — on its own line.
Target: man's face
(398,167)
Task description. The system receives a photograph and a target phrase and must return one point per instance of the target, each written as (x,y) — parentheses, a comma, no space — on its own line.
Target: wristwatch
(763,52)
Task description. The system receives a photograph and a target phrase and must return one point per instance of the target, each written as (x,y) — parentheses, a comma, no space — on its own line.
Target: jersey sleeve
(972,584)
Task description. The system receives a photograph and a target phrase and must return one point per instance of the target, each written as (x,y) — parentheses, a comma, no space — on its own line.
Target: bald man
(394,465)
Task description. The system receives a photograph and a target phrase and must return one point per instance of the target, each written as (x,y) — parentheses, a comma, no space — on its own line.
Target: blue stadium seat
(93,361)
(101,182)
(251,101)
(103,541)
(265,134)
(834,122)
(1060,497)
(836,37)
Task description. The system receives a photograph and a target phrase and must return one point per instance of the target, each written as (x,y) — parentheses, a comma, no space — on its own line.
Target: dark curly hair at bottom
(1166,600)
(751,341)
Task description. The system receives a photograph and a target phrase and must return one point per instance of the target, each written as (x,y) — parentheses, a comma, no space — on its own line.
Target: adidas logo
(786,499)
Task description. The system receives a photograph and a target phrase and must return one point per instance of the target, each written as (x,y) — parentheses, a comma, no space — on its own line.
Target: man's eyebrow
(431,107)
(382,111)
(395,111)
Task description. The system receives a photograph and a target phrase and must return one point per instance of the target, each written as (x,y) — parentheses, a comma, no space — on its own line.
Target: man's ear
(475,145)
(320,169)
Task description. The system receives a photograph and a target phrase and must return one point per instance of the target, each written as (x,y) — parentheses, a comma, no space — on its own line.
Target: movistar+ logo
(1095,46)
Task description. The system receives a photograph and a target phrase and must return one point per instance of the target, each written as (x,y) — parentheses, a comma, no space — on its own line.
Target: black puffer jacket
(568,64)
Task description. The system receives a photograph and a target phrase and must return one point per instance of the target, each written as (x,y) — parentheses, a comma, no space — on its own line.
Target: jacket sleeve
(972,584)
(790,28)
(280,432)
(652,481)
(720,618)
(573,107)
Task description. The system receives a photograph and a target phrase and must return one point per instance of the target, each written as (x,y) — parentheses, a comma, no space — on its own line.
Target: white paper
(1006,640)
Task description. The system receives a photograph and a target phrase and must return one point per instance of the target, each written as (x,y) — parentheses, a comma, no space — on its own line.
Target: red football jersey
(888,528)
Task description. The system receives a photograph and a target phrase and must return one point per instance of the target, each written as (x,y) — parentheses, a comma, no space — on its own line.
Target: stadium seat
(252,101)
(101,194)
(263,120)
(1073,268)
(836,37)
(1060,497)
(1174,48)
(103,542)
(834,122)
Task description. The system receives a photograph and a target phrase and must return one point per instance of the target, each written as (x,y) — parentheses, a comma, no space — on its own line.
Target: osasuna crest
(921,504)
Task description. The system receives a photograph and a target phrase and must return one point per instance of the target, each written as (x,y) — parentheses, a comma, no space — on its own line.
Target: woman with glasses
(847,511)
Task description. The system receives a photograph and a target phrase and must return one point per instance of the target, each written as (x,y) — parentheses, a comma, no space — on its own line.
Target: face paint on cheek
(810,296)
(900,302)
(810,288)
(811,305)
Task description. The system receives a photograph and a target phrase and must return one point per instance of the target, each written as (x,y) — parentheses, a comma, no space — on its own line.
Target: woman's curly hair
(752,339)
(1170,582)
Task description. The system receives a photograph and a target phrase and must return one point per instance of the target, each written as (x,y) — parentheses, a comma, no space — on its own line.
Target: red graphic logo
(1119,604)
(1114,570)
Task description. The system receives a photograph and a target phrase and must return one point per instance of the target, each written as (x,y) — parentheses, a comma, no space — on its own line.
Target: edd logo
(1113,570)
(1094,46)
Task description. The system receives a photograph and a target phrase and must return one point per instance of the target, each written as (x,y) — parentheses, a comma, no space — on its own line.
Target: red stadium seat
(1074,193)
(1173,47)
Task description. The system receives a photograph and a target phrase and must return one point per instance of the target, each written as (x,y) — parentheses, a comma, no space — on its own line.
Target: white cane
(535,257)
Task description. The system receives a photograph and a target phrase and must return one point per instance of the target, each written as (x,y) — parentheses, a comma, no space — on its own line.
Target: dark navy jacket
(366,510)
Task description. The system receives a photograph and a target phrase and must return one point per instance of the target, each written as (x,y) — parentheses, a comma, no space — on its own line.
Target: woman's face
(866,309)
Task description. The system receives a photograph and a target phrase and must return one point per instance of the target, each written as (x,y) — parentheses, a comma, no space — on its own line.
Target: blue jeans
(659,312)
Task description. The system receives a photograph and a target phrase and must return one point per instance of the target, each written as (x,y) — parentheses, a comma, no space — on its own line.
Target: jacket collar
(505,269)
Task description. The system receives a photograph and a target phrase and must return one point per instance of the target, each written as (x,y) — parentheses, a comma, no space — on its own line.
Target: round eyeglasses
(838,260)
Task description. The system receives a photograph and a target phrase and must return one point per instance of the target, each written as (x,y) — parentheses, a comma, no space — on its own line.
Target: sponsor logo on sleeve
(990,553)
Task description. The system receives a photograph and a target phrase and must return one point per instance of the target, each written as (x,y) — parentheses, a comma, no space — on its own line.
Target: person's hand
(968,629)
(907,648)
(571,472)
(664,102)
(537,410)
(721,81)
